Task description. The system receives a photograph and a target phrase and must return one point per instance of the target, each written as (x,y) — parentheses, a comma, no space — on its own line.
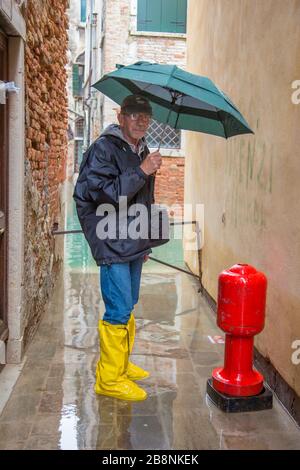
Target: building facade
(84,68)
(76,72)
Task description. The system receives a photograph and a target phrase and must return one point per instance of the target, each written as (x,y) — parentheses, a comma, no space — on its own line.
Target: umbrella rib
(220,119)
(149,84)
(171,75)
(220,92)
(136,90)
(208,90)
(158,72)
(180,106)
(120,79)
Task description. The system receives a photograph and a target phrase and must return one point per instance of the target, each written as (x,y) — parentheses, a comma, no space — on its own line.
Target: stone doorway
(3,199)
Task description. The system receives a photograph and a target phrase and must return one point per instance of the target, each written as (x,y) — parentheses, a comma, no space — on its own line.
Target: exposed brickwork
(169,182)
(161,49)
(46,144)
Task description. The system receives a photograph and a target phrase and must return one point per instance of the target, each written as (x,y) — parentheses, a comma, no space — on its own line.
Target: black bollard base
(229,404)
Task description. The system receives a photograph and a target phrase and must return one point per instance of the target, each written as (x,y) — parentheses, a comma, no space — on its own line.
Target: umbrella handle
(174,98)
(161,138)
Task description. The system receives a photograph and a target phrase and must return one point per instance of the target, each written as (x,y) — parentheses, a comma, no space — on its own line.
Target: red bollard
(241,314)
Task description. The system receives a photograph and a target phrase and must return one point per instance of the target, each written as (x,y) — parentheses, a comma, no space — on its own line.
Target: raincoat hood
(116,131)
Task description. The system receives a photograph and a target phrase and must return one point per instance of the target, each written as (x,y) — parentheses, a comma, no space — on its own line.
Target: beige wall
(250,48)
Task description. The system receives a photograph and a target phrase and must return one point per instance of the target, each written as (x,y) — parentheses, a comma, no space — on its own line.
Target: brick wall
(169,187)
(46,144)
(165,50)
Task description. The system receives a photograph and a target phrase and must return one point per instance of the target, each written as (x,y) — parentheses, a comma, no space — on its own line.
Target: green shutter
(149,15)
(169,16)
(142,15)
(76,83)
(181,16)
(83,11)
(162,16)
(154,8)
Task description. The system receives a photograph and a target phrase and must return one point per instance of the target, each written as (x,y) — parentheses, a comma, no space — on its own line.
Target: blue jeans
(120,287)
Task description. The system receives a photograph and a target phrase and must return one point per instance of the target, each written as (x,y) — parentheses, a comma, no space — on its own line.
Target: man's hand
(146,257)
(151,163)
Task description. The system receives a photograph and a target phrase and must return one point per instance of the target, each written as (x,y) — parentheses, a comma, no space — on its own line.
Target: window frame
(156,123)
(172,152)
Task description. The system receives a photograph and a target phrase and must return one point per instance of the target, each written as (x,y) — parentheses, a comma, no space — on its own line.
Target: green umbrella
(178,98)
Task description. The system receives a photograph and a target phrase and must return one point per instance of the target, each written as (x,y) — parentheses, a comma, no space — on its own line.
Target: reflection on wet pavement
(53,405)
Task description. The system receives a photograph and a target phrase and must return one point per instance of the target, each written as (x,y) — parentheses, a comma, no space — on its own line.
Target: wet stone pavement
(53,404)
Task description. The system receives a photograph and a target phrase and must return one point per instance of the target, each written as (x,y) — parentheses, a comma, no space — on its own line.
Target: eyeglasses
(139,117)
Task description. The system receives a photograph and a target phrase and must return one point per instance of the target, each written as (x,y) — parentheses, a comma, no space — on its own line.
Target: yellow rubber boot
(134,372)
(111,378)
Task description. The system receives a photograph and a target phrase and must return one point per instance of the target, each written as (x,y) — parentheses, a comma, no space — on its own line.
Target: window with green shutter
(78,76)
(83,11)
(168,16)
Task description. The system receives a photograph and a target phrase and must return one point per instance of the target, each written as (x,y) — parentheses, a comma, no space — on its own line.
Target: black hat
(136,104)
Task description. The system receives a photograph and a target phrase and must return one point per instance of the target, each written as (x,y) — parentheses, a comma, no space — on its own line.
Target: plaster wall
(250,184)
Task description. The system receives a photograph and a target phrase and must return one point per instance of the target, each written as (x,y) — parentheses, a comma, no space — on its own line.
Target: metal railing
(199,251)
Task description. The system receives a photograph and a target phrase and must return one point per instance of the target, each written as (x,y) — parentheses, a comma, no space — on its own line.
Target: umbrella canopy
(178,98)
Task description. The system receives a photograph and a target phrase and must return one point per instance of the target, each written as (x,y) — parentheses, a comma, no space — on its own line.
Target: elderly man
(118,164)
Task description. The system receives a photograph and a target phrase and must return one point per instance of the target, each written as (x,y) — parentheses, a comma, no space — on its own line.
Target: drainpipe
(88,101)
